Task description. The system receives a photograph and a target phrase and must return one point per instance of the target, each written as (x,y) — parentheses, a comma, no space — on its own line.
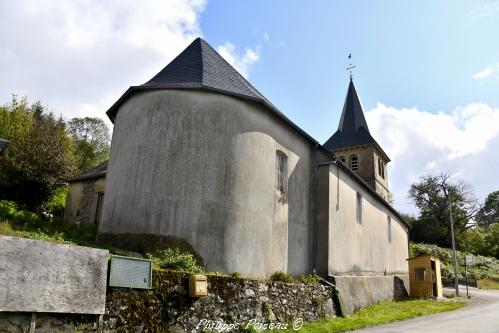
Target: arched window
(354,162)
(282,172)
(343,158)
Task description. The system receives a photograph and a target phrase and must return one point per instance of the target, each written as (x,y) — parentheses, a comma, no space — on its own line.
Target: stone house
(199,156)
(85,196)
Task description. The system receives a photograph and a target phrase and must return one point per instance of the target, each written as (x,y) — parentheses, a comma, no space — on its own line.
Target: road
(481,315)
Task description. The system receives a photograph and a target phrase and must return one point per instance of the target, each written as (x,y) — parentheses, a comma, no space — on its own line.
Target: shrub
(281,277)
(174,259)
(9,211)
(236,275)
(308,279)
(482,267)
(55,206)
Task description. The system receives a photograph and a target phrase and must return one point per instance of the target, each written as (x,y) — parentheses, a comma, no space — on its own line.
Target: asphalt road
(481,315)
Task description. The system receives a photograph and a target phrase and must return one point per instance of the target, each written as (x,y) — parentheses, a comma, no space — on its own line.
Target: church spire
(352,129)
(352,116)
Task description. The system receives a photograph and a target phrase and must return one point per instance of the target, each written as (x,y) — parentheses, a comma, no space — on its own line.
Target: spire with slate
(352,130)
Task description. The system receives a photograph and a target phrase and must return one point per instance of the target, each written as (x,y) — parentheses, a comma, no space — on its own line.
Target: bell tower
(353,144)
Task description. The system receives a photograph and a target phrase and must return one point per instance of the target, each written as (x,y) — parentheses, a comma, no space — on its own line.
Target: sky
(427,72)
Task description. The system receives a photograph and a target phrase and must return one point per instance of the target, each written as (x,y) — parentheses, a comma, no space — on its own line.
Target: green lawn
(381,313)
(488,284)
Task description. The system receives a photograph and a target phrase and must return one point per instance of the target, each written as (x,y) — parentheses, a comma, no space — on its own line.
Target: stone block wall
(168,307)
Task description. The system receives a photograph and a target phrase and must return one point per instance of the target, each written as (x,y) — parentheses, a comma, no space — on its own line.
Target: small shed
(424,276)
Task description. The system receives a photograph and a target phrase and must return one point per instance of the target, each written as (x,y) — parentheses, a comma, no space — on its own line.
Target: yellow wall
(81,201)
(424,288)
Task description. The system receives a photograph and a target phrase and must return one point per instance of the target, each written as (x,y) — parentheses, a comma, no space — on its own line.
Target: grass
(488,284)
(381,313)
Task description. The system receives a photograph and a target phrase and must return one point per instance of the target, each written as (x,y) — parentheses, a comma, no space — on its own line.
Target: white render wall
(362,249)
(201,166)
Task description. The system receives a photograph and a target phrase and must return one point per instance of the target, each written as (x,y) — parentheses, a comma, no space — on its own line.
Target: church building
(201,157)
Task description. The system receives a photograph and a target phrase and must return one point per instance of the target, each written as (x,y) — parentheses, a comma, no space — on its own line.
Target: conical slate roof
(198,66)
(352,130)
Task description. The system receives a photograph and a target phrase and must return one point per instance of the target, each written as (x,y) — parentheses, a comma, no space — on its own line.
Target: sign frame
(118,285)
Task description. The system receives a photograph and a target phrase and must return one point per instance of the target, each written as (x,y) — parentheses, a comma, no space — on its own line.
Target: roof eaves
(87,177)
(114,108)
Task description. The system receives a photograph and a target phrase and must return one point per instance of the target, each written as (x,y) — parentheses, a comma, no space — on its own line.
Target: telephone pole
(454,256)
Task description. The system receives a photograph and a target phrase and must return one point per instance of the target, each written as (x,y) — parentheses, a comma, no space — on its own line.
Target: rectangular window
(379,167)
(389,227)
(420,274)
(282,172)
(359,208)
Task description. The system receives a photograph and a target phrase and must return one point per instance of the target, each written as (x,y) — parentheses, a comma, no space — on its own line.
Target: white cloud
(463,143)
(485,73)
(242,62)
(486,9)
(266,36)
(80,56)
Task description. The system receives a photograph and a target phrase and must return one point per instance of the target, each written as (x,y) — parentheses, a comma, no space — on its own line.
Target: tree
(39,157)
(430,195)
(91,138)
(489,213)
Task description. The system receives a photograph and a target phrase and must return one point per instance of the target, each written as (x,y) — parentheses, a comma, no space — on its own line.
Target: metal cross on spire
(350,67)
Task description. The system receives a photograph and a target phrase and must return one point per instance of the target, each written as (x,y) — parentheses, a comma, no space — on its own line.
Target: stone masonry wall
(168,307)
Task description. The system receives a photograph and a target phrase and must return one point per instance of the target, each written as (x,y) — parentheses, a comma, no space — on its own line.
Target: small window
(282,172)
(359,208)
(343,158)
(383,170)
(354,162)
(420,274)
(379,168)
(389,228)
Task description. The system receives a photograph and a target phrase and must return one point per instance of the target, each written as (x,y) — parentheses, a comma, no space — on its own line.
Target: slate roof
(198,66)
(352,129)
(96,172)
(3,144)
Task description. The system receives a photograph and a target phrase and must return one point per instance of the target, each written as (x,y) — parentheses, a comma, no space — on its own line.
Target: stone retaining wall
(168,307)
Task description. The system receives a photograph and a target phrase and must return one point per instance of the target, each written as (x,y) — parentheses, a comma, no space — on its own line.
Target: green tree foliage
(431,196)
(91,137)
(39,157)
(482,267)
(489,213)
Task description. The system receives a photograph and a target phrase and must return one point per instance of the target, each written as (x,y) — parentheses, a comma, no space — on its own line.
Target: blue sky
(408,53)
(427,72)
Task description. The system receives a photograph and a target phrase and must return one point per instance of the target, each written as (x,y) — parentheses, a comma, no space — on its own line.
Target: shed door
(98,208)
(434,278)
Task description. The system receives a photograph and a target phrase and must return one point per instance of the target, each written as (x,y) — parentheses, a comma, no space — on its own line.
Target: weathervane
(350,67)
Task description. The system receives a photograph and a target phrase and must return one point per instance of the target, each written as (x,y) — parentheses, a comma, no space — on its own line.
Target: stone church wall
(365,263)
(362,248)
(201,166)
